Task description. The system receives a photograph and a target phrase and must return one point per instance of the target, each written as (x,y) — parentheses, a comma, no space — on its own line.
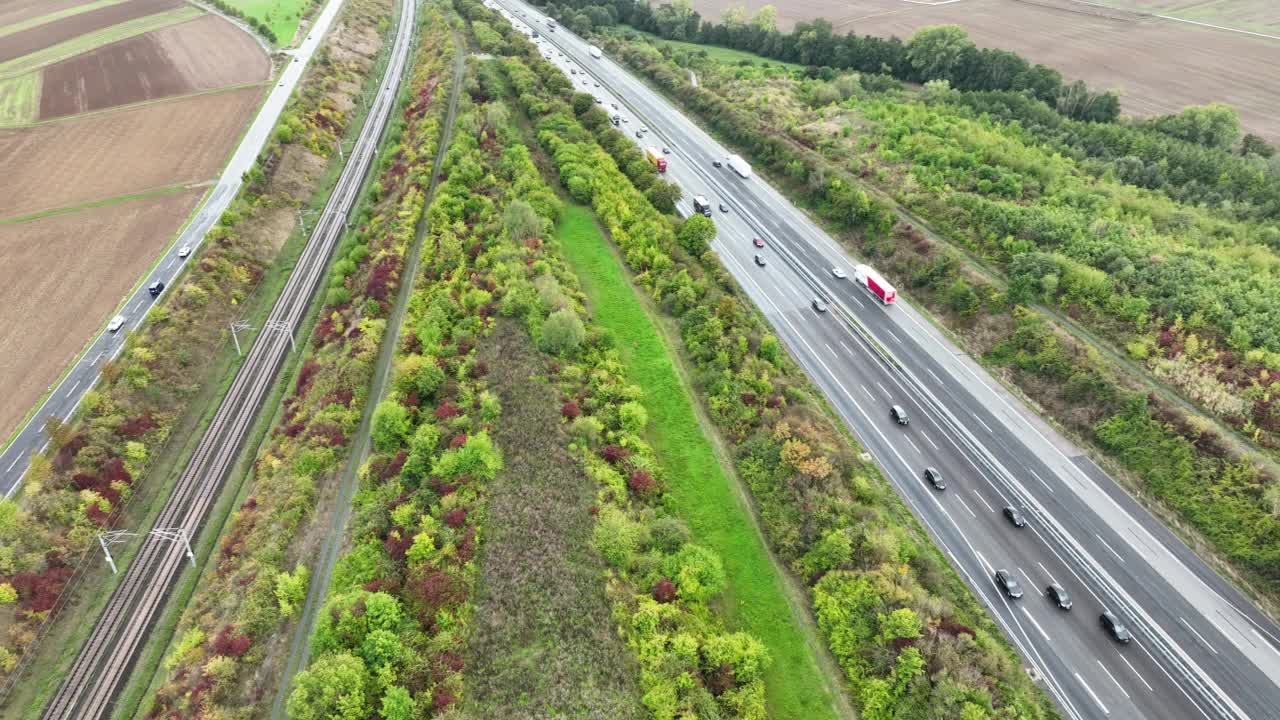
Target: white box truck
(740,166)
(595,52)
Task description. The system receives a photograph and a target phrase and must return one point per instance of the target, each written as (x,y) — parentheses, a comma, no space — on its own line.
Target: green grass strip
(63,13)
(89,41)
(19,99)
(706,497)
(282,16)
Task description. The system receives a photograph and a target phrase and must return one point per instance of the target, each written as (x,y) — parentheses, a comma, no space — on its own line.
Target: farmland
(133,150)
(1158,66)
(198,55)
(36,297)
(114,114)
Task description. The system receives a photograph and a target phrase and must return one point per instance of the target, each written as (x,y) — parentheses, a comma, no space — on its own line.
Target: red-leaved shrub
(455,518)
(614,454)
(664,591)
(641,482)
(570,410)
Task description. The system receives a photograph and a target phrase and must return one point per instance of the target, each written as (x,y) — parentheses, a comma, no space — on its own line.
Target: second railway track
(105,659)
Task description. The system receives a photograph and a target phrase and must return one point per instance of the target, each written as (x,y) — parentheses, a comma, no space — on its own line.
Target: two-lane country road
(64,397)
(1201,649)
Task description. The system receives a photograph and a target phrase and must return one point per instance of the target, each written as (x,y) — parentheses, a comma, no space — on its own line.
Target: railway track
(104,661)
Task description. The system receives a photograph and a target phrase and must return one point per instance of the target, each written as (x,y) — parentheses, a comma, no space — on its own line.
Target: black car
(1015,516)
(639,134)
(1008,584)
(1059,596)
(666,151)
(716,163)
(819,306)
(934,478)
(899,415)
(760,260)
(156,288)
(1115,628)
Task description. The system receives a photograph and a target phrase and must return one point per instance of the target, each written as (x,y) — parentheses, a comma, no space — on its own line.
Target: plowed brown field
(79,160)
(63,275)
(1158,66)
(43,36)
(200,54)
(16,11)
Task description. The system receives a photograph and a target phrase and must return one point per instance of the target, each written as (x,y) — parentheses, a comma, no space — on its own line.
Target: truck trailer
(871,280)
(656,158)
(595,52)
(740,166)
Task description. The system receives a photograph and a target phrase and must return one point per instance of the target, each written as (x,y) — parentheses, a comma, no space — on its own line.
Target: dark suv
(1008,584)
(1115,628)
(899,415)
(934,478)
(1059,596)
(1015,516)
(155,289)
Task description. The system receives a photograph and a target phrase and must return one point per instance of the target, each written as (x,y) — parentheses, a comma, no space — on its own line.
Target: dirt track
(56,274)
(79,160)
(1158,66)
(200,54)
(43,36)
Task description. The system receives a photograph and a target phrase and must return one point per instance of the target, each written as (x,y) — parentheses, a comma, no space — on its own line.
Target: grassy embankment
(282,16)
(708,501)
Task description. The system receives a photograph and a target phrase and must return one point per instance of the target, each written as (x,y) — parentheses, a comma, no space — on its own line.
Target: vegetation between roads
(910,639)
(260,575)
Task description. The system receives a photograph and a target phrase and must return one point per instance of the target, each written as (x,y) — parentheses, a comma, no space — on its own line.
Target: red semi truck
(656,158)
(871,280)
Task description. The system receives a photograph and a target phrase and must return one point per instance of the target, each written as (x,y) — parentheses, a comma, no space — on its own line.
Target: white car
(184,251)
(838,273)
(116,323)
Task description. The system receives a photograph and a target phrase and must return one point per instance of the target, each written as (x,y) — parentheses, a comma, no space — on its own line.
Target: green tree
(334,687)
(522,221)
(697,572)
(397,704)
(1215,125)
(664,196)
(695,233)
(936,52)
(478,458)
(391,425)
(562,333)
(291,589)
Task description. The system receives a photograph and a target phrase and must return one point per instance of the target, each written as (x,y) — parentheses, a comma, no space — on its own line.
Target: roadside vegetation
(910,639)
(756,600)
(1147,248)
(117,456)
(397,630)
(275,20)
(257,580)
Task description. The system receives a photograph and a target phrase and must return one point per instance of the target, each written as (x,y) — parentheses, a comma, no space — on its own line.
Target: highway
(1201,649)
(104,661)
(65,397)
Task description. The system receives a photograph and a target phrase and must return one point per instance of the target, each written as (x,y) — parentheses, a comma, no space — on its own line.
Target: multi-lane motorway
(64,398)
(1201,649)
(104,661)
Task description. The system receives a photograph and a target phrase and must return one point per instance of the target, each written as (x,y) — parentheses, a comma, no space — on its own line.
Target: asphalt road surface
(1201,649)
(104,662)
(65,396)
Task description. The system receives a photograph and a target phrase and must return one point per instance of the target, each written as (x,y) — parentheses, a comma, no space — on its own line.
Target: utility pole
(174,535)
(240,325)
(115,537)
